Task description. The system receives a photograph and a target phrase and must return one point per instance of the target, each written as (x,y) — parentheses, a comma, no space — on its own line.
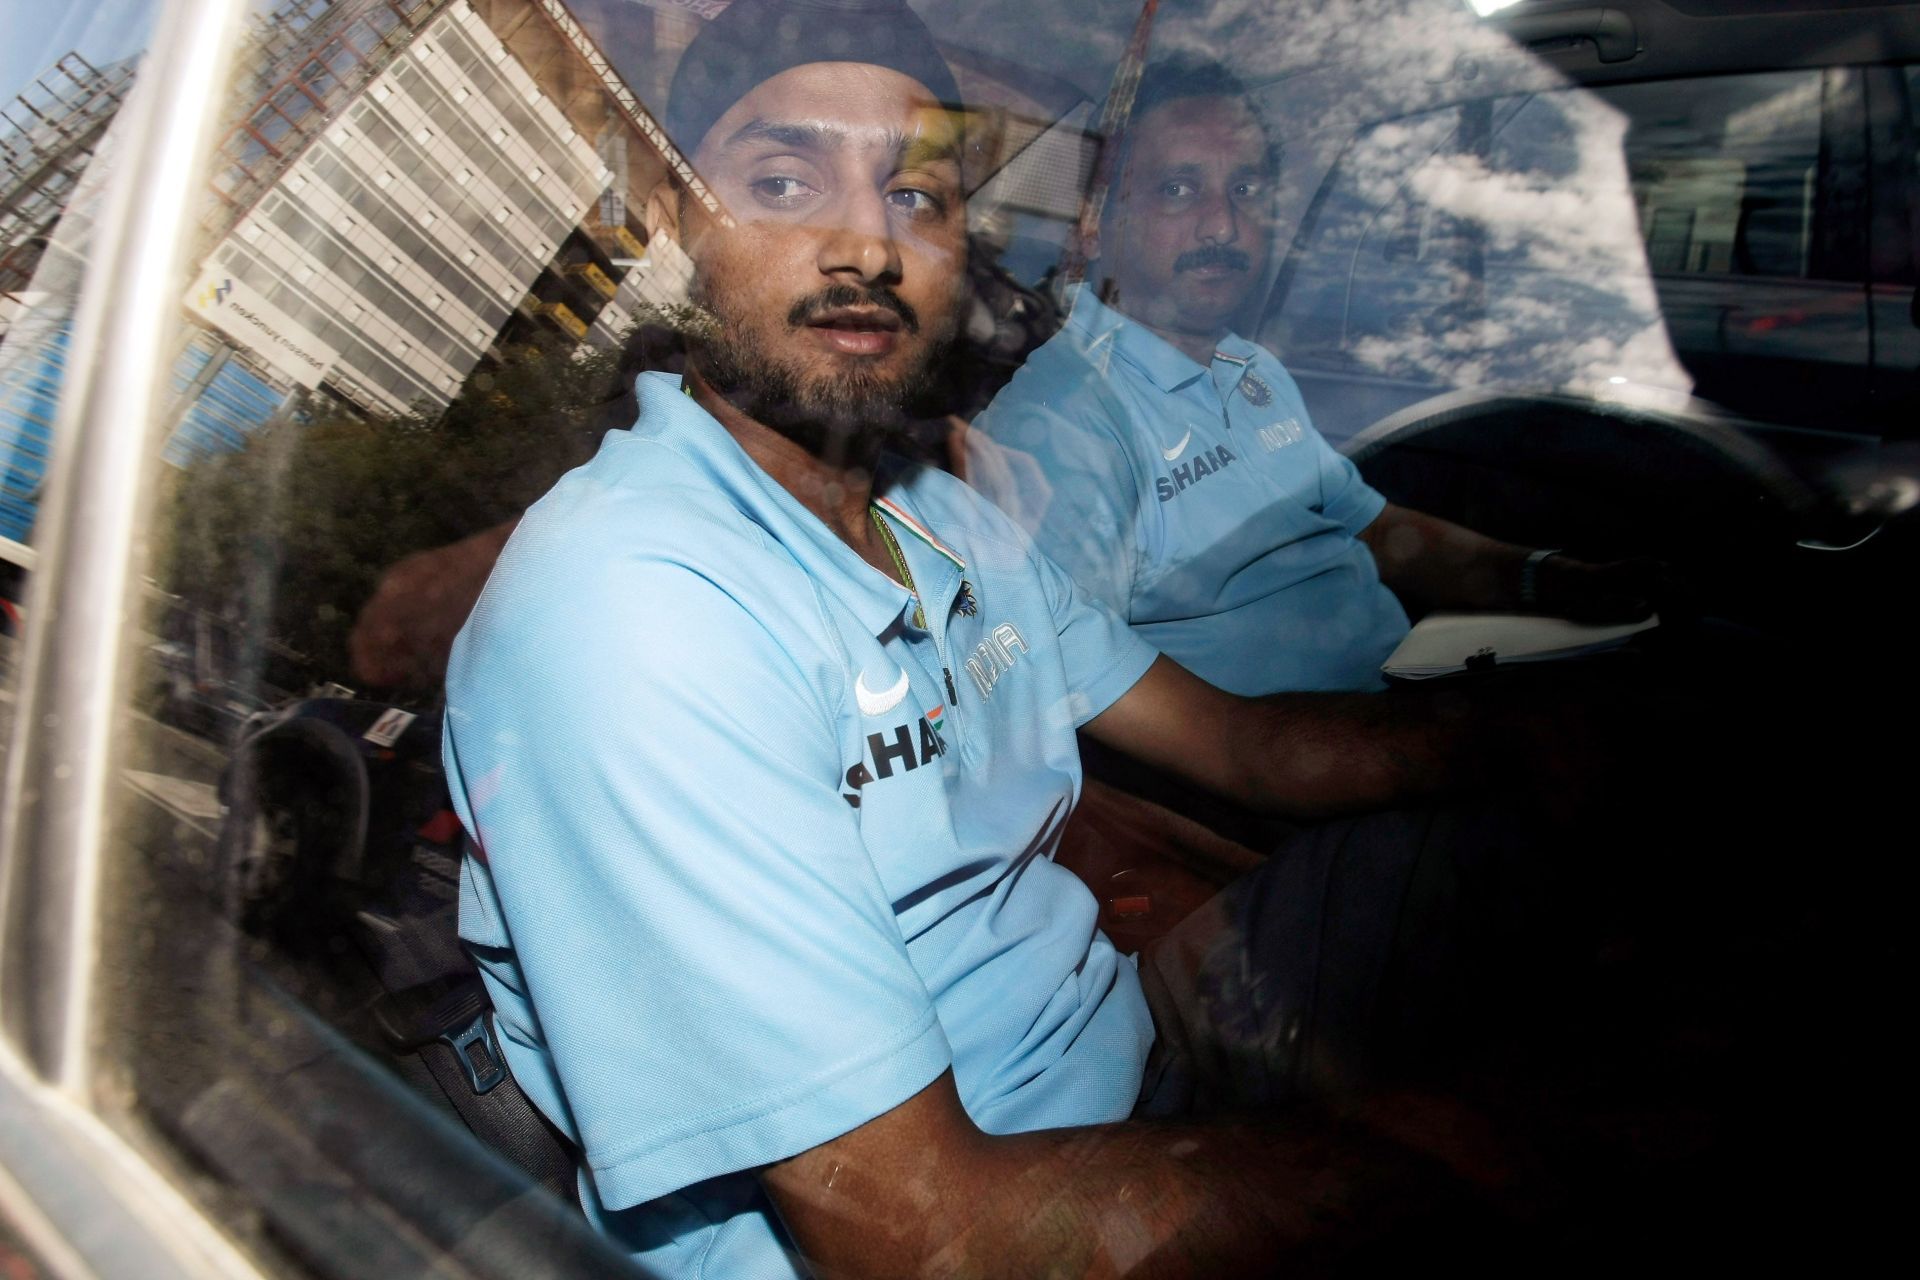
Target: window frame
(75,1190)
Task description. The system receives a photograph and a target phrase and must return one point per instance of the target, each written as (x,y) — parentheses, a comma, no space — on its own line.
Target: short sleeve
(649,773)
(1344,496)
(1103,656)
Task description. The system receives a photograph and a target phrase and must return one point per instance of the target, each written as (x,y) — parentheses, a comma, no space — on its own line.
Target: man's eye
(1177,190)
(916,203)
(780,191)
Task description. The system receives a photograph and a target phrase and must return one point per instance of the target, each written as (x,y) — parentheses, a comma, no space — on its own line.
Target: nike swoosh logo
(1177,450)
(878,704)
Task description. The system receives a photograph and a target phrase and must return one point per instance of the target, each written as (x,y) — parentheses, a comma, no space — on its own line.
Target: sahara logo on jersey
(1203,465)
(905,748)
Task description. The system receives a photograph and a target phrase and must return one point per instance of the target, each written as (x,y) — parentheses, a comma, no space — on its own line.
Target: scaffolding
(47,135)
(310,57)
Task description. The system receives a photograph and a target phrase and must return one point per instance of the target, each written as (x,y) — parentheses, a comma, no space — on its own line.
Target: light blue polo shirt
(757,857)
(1199,503)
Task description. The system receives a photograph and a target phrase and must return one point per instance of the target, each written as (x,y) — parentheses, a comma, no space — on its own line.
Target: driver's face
(840,281)
(1190,225)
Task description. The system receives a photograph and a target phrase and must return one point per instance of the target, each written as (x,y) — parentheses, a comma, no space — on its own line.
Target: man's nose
(859,241)
(1219,221)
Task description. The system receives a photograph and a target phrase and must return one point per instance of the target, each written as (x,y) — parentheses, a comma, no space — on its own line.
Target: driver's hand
(1616,591)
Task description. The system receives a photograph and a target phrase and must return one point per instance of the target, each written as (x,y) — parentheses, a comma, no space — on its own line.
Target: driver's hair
(1178,77)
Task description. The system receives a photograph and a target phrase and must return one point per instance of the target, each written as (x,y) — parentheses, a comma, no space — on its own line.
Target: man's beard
(843,415)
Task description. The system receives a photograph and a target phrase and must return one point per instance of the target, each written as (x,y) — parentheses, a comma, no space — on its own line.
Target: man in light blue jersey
(764,741)
(1170,465)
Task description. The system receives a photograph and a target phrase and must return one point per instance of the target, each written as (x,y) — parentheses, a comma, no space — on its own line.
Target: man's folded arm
(921,1191)
(1300,755)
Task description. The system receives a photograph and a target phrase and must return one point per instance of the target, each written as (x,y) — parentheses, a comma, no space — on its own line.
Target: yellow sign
(563,318)
(596,278)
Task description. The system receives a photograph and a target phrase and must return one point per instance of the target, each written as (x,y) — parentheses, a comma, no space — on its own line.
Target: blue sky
(40,31)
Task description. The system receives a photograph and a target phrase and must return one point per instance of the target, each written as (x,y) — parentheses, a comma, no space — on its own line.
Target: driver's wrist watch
(1530,575)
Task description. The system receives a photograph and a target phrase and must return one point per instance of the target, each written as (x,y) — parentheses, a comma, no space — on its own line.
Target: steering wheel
(1602,480)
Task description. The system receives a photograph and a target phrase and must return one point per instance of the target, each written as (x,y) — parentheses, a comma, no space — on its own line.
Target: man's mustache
(1213,255)
(835,297)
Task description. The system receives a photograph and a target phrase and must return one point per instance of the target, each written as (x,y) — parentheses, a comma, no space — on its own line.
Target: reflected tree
(287,537)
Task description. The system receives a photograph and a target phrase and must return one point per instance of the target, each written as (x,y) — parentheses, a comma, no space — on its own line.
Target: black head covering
(754,40)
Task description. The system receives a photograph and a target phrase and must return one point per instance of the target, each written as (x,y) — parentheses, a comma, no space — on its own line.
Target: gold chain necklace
(900,563)
(906,576)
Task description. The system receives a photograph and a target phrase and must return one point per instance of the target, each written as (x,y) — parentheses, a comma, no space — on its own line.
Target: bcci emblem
(1257,392)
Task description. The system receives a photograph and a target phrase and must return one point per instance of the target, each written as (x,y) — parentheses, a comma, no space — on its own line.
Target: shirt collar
(1234,350)
(673,419)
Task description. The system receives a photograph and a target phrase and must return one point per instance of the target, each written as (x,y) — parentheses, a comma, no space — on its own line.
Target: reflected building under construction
(423,181)
(408,186)
(48,133)
(411,185)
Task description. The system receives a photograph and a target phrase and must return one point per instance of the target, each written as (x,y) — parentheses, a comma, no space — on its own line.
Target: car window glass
(429,263)
(1903,167)
(1746,193)
(1752,198)
(1493,244)
(63,75)
(1894,254)
(1726,174)
(1912,77)
(419,258)
(439,240)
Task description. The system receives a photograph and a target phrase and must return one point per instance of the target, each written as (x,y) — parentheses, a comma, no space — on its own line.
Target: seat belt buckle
(478,1052)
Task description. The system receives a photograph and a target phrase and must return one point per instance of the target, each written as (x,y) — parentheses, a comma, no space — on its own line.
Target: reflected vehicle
(304,304)
(202,678)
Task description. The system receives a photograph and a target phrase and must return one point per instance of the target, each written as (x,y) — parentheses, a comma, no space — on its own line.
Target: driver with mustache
(1170,465)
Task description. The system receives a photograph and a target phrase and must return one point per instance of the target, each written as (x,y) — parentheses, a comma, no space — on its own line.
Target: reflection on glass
(407,205)
(441,236)
(1754,237)
(1562,241)
(429,249)
(1495,244)
(50,134)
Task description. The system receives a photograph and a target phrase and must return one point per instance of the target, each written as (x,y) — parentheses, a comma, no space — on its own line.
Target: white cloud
(1795,107)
